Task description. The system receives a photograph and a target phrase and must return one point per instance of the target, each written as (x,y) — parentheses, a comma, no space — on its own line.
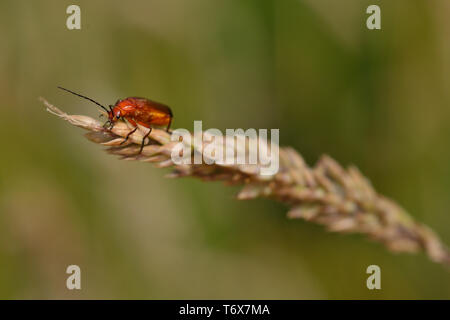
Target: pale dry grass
(342,200)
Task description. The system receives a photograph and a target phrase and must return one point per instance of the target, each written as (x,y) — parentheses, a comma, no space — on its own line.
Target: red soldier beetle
(136,111)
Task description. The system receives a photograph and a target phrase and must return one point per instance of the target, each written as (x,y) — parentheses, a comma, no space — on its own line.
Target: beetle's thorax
(125,107)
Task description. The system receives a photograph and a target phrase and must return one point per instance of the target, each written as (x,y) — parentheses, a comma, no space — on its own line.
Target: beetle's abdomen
(144,111)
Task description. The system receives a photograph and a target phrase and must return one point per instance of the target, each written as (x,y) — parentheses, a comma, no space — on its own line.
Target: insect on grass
(136,111)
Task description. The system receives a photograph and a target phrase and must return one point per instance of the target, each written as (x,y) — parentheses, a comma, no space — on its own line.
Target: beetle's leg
(143,140)
(128,135)
(168,126)
(131,121)
(108,125)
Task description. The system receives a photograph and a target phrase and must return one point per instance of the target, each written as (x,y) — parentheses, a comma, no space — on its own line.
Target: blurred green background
(378,99)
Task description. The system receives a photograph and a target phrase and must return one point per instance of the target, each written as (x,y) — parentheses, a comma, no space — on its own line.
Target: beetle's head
(114,113)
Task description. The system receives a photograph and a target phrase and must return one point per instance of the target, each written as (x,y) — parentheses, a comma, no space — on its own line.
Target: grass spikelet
(342,200)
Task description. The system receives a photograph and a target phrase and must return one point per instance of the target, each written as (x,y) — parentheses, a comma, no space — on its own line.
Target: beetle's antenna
(84,98)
